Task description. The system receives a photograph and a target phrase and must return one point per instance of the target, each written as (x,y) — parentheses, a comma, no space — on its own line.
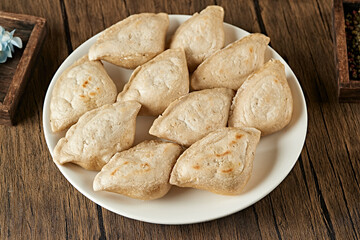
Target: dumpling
(85,85)
(264,101)
(141,172)
(230,66)
(132,41)
(98,135)
(158,82)
(201,35)
(194,115)
(221,162)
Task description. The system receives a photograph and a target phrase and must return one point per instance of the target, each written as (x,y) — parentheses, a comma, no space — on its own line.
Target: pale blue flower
(7,43)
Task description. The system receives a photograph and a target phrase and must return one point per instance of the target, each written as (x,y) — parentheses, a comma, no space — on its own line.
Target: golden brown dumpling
(201,35)
(83,86)
(98,135)
(230,66)
(158,82)
(221,162)
(132,41)
(141,172)
(264,101)
(194,115)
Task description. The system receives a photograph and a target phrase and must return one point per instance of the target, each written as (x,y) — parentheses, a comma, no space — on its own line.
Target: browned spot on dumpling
(251,49)
(238,136)
(197,167)
(227,170)
(92,94)
(232,142)
(82,96)
(276,81)
(223,154)
(115,170)
(85,83)
(145,166)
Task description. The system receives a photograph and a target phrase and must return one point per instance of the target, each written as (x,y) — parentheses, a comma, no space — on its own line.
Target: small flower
(7,43)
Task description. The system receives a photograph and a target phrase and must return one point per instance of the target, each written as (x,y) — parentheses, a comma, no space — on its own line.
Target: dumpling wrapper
(132,41)
(201,35)
(221,162)
(193,116)
(98,135)
(230,66)
(141,172)
(83,86)
(158,82)
(264,101)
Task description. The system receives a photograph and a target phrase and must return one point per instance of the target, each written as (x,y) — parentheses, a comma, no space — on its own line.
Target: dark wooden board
(16,71)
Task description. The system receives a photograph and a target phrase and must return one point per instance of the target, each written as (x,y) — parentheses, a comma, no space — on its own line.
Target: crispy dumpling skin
(230,66)
(158,82)
(201,35)
(83,86)
(221,162)
(264,101)
(141,172)
(98,135)
(132,41)
(194,115)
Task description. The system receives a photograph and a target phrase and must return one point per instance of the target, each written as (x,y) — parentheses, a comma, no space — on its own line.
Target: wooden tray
(15,71)
(348,89)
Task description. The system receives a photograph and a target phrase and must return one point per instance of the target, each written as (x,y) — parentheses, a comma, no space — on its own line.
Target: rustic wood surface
(319,199)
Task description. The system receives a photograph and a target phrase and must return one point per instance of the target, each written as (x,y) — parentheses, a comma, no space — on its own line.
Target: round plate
(275,156)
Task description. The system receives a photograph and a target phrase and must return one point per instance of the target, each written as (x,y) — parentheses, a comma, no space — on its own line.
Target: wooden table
(319,199)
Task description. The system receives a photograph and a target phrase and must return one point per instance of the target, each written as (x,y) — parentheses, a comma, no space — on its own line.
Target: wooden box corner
(348,89)
(15,72)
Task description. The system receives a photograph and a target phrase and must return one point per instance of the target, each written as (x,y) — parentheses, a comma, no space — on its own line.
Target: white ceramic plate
(275,156)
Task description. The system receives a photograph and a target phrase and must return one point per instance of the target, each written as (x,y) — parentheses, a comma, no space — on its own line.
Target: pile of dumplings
(213,103)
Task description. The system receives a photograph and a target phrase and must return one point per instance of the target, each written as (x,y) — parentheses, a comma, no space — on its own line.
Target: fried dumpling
(221,162)
(201,35)
(132,41)
(194,115)
(158,82)
(98,135)
(230,66)
(83,86)
(141,172)
(264,101)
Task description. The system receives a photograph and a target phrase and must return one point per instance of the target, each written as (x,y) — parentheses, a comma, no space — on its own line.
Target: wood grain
(327,123)
(318,200)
